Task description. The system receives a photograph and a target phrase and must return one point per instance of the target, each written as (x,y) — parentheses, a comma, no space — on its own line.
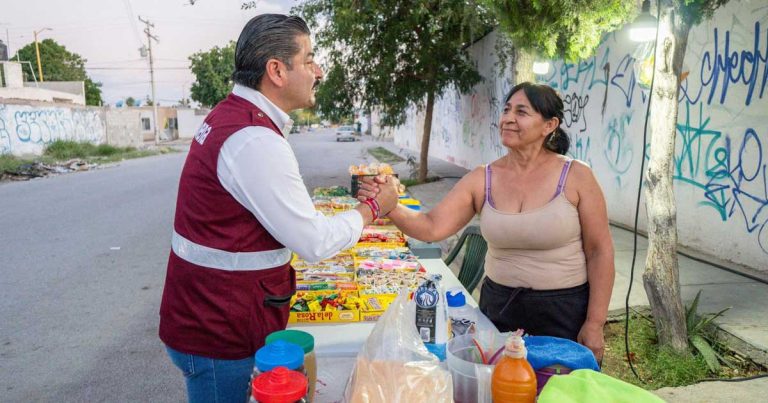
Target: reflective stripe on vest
(230,261)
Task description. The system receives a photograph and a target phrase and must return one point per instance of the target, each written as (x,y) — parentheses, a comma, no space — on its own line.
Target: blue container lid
(279,353)
(455,298)
(413,207)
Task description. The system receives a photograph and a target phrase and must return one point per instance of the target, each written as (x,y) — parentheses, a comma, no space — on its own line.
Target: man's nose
(318,72)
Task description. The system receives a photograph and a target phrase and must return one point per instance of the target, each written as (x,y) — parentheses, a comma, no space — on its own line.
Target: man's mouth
(317,84)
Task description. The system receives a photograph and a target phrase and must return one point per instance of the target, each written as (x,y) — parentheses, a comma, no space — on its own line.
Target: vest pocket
(278,289)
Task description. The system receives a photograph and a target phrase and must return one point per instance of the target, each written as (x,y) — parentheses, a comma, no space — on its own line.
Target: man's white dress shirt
(260,170)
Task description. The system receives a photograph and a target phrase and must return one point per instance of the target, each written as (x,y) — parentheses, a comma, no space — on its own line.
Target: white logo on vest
(202,133)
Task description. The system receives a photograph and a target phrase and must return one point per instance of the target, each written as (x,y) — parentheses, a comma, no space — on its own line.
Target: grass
(384,155)
(413,182)
(658,367)
(64,150)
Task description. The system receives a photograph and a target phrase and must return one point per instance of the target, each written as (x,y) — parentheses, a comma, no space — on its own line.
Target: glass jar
(307,343)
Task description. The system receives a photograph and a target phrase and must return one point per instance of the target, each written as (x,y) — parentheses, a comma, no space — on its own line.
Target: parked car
(345,133)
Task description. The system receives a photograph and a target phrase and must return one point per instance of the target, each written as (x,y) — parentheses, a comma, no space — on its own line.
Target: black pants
(559,313)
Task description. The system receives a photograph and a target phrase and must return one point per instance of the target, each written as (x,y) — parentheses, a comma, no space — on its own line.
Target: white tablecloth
(337,344)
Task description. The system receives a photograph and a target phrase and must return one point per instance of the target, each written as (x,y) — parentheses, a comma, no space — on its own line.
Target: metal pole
(39,65)
(150,37)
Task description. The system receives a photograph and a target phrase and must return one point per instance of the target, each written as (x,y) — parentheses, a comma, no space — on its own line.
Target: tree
(661,279)
(213,74)
(334,104)
(391,55)
(148,101)
(59,64)
(130,101)
(556,28)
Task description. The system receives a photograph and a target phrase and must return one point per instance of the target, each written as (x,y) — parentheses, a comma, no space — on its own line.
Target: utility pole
(150,38)
(37,50)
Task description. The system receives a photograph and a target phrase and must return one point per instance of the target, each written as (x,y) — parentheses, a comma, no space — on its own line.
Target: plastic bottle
(463,316)
(513,379)
(432,320)
(279,385)
(306,342)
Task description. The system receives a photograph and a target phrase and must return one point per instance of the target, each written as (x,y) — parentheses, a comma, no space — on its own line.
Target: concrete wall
(721,157)
(124,127)
(189,121)
(53,91)
(26,128)
(70,87)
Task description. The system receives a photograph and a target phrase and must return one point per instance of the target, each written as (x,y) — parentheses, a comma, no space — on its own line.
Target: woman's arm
(598,250)
(447,218)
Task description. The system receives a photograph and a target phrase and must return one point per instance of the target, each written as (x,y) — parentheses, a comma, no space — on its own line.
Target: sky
(108,34)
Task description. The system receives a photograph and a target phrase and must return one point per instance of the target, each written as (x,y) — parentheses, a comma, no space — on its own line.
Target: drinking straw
(480,349)
(496,355)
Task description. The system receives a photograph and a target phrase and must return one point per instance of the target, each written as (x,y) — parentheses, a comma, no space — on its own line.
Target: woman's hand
(591,336)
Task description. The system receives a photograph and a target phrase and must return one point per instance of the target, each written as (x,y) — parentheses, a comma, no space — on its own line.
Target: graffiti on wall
(721,159)
(28,129)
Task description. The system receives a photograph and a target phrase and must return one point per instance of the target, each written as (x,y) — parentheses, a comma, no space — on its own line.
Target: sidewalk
(745,324)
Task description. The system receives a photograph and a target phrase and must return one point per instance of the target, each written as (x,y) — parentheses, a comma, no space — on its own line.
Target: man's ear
(276,72)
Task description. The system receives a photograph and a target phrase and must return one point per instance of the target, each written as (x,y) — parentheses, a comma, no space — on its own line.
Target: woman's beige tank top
(539,249)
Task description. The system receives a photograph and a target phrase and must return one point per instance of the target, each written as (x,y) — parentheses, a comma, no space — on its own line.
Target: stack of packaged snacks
(357,284)
(338,268)
(332,191)
(382,235)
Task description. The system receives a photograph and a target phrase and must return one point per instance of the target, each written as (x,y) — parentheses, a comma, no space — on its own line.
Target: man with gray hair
(242,209)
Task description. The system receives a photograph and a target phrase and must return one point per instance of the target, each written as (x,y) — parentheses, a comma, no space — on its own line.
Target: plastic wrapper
(394,366)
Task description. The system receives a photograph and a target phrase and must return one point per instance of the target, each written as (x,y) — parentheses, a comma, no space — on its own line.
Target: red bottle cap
(279,385)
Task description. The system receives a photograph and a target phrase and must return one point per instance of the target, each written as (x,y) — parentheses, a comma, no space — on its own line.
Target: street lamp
(541,67)
(643,29)
(37,50)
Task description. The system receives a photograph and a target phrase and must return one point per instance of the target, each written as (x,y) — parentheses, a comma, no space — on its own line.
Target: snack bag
(394,366)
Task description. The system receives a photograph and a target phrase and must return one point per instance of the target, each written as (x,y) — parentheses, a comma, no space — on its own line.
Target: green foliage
(304,117)
(694,11)
(560,28)
(390,54)
(130,101)
(213,74)
(657,366)
(698,337)
(10,163)
(59,64)
(334,99)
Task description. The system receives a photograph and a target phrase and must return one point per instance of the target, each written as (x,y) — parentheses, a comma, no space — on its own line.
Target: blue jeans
(214,381)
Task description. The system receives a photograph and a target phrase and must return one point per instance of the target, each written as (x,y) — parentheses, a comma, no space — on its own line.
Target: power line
(132,21)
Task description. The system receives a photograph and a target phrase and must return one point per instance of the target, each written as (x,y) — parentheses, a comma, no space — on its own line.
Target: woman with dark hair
(549,266)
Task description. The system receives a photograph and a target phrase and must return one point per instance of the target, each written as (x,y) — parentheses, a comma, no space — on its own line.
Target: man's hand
(591,336)
(369,188)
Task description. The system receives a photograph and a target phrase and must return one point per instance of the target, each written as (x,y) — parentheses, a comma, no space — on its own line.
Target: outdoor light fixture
(540,67)
(643,29)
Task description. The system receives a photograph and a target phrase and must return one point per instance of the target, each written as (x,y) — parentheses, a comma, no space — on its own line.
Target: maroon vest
(212,312)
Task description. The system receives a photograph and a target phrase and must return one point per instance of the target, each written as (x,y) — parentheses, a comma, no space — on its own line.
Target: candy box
(325,307)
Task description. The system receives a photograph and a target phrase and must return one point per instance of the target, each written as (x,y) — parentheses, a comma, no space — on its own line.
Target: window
(145,124)
(173,123)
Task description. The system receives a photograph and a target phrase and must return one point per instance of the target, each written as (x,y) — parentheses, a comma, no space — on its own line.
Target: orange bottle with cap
(513,379)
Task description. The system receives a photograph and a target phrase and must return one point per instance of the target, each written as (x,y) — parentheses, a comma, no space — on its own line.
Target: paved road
(82,265)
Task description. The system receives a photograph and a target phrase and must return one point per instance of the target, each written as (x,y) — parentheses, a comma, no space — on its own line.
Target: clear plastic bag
(394,366)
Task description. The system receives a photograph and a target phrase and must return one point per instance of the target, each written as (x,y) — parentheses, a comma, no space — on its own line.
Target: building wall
(721,156)
(124,127)
(163,115)
(27,127)
(189,121)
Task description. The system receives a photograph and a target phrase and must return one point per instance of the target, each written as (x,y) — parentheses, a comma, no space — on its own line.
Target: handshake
(380,192)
